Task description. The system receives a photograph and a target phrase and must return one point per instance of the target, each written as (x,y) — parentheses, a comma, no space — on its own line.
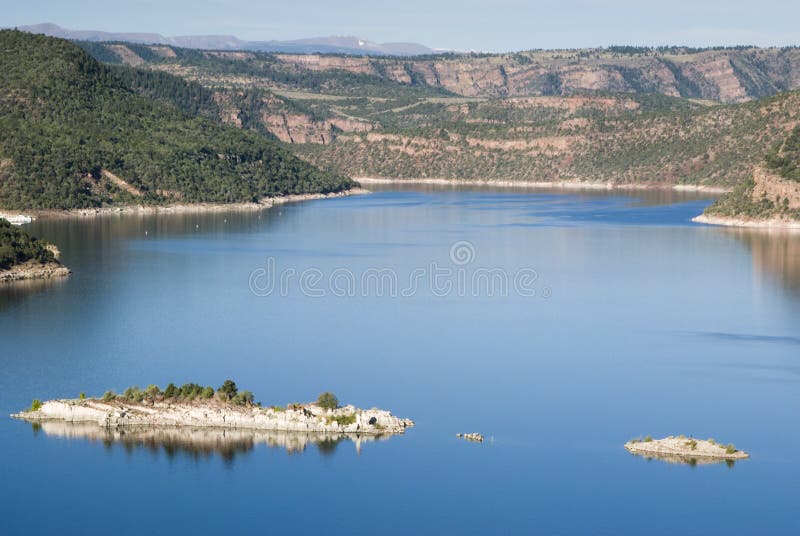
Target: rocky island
(684,448)
(193,405)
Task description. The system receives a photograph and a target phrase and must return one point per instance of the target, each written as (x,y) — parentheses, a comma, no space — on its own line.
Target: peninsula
(683,447)
(193,405)
(25,257)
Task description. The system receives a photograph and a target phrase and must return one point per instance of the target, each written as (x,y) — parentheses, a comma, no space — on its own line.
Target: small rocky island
(684,448)
(197,406)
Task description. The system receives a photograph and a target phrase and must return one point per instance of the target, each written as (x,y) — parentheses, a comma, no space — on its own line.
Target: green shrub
(648,439)
(82,396)
(171,391)
(243,398)
(36,405)
(343,420)
(208,392)
(152,391)
(133,394)
(108,396)
(228,390)
(327,400)
(730,449)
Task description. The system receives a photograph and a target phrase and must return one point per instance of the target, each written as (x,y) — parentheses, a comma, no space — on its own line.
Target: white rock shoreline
(214,414)
(184,208)
(551,185)
(685,448)
(774,223)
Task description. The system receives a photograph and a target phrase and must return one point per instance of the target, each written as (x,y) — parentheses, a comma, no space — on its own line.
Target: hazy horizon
(504,25)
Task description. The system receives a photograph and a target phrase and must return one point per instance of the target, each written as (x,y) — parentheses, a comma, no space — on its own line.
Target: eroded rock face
(712,74)
(300,128)
(212,414)
(776,189)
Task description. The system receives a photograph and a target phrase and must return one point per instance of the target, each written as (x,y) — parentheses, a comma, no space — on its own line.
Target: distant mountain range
(329,45)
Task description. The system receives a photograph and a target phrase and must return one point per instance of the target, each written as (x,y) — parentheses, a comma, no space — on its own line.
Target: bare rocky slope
(726,75)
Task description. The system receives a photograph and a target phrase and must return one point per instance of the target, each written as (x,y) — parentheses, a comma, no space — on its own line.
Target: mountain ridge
(326,44)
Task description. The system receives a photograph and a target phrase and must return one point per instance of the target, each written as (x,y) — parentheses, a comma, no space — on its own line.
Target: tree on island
(228,389)
(327,400)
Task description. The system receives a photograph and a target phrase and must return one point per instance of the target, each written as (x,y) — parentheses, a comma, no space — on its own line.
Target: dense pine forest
(68,123)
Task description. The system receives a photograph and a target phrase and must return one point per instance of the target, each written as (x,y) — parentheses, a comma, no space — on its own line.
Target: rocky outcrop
(214,414)
(731,75)
(471,437)
(128,56)
(685,447)
(300,128)
(781,191)
(33,270)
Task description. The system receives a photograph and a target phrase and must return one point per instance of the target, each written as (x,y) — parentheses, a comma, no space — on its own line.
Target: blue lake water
(593,319)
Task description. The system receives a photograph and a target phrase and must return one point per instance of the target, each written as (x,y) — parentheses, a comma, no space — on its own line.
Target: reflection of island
(201,442)
(775,253)
(685,460)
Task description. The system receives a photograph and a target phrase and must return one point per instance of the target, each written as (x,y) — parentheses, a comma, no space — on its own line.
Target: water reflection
(201,443)
(14,291)
(684,460)
(776,254)
(637,196)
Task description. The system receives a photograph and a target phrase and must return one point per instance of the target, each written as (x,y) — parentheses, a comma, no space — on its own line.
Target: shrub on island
(327,400)
(227,393)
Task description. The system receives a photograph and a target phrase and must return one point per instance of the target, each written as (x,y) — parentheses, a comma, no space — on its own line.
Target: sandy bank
(554,185)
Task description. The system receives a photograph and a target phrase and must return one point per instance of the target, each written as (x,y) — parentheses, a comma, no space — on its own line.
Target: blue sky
(462,24)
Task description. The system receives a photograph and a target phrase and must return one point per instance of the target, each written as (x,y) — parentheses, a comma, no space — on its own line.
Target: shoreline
(33,271)
(213,414)
(548,185)
(180,208)
(771,224)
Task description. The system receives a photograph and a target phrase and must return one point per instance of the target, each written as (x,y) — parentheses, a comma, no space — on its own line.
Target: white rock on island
(685,447)
(216,414)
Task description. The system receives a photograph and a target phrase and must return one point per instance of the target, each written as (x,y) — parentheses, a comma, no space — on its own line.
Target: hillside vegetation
(785,158)
(75,133)
(773,190)
(18,247)
(363,117)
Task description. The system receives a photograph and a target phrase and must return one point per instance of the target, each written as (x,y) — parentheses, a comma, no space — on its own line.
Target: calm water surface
(640,322)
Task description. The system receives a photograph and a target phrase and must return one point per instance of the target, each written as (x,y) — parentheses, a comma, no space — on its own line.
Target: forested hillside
(75,133)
